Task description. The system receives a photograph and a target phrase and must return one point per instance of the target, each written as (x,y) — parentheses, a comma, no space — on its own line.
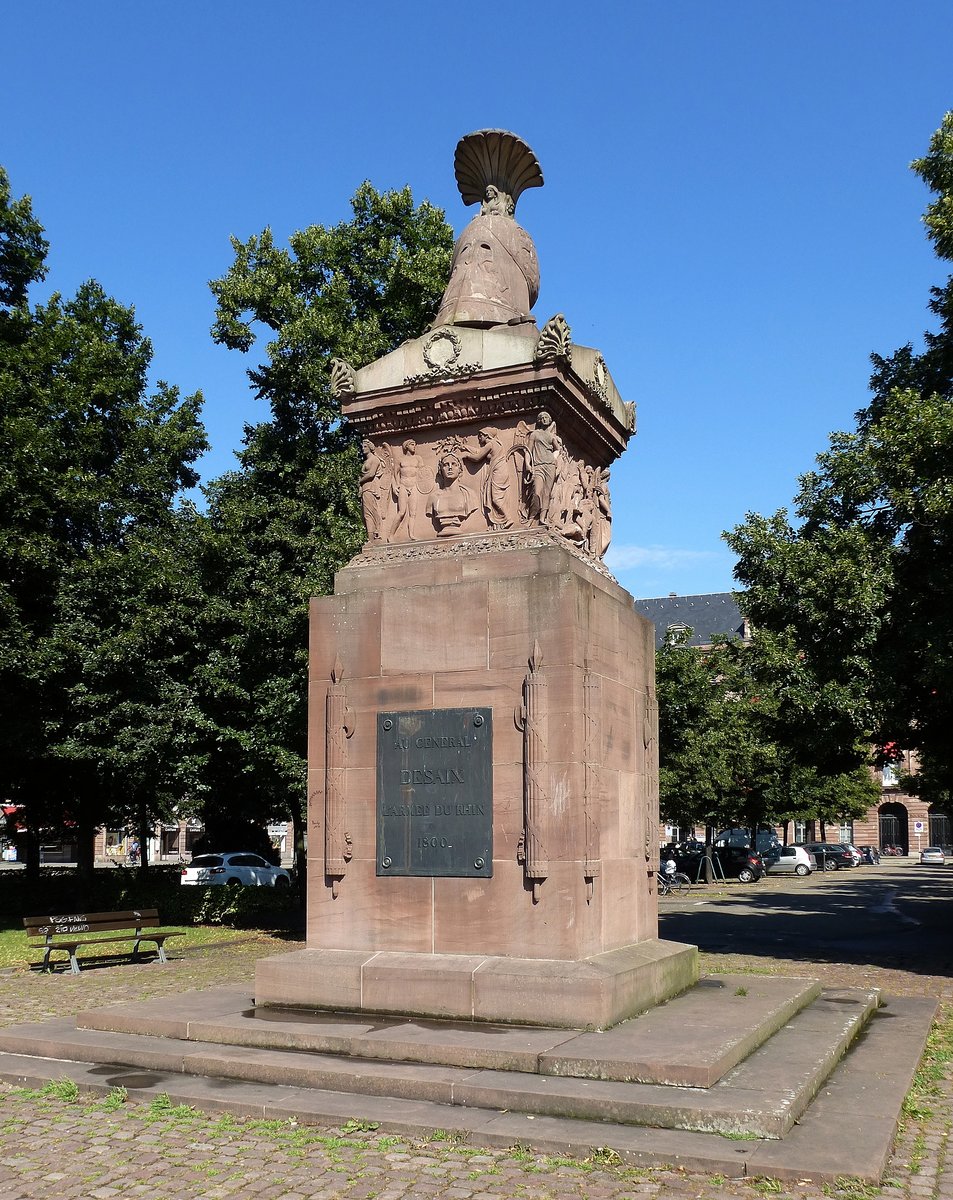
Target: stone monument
(483,801)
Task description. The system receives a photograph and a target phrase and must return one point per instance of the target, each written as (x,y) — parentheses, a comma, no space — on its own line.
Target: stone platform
(739,1074)
(592,993)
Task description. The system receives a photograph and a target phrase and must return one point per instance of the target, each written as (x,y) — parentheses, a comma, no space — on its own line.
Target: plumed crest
(494,156)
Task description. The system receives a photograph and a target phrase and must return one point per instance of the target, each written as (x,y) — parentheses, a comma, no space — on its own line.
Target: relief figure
(451,504)
(372,489)
(543,446)
(601,514)
(404,488)
(496,477)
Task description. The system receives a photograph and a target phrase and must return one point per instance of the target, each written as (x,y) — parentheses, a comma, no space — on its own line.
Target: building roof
(707,616)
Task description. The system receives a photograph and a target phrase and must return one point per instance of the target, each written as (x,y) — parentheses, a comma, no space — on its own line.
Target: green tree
(282,523)
(90,465)
(694,772)
(859,584)
(732,749)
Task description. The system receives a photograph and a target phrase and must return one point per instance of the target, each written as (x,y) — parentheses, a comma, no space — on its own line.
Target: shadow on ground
(895,917)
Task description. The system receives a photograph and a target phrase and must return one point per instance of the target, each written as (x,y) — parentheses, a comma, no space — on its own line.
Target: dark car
(831,856)
(736,862)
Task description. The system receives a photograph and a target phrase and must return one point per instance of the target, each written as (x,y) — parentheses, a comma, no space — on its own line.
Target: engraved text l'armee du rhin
(435,793)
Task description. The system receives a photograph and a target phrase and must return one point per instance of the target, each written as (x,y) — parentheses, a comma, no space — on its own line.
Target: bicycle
(679,884)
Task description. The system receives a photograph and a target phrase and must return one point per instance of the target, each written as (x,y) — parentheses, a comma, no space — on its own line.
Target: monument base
(590,993)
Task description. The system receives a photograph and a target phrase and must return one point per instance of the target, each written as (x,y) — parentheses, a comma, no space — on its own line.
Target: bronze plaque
(435,792)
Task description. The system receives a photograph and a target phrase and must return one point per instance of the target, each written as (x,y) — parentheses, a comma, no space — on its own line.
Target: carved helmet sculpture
(494,276)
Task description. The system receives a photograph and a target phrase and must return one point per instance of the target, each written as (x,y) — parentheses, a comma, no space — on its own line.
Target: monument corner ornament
(482,777)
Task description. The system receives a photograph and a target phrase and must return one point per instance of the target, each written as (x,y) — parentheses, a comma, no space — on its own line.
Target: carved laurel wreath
(437,337)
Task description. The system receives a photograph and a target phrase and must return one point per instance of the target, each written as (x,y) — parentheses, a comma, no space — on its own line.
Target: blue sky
(728,211)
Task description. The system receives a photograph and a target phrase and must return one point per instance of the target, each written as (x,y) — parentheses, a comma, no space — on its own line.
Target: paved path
(845,928)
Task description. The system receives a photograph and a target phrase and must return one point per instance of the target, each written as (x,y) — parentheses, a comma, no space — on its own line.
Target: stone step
(762,1097)
(846,1132)
(690,1041)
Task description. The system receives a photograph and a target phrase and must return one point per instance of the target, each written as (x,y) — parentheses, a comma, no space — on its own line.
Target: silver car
(794,860)
(208,870)
(933,855)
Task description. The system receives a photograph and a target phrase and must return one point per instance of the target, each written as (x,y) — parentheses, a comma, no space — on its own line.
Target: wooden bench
(68,931)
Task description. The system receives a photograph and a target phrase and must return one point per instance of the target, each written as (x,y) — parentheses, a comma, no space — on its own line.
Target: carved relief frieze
(494,481)
(338,728)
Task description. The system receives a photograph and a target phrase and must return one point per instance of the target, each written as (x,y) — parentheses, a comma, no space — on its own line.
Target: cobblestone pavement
(57,1145)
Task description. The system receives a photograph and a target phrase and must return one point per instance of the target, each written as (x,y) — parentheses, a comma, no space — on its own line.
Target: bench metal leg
(73,962)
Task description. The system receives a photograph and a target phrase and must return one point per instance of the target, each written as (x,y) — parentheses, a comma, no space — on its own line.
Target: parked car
(933,855)
(207,870)
(788,860)
(833,855)
(736,862)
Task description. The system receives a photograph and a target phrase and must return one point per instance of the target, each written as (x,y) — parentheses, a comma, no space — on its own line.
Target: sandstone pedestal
(570,936)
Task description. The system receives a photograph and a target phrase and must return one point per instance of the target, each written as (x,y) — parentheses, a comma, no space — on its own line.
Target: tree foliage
(93,664)
(282,523)
(859,584)
(731,748)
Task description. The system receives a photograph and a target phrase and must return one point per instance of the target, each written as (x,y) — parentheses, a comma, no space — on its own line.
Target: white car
(789,859)
(207,870)
(934,855)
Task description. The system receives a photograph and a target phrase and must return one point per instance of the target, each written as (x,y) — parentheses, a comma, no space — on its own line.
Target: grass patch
(848,1188)
(937,1056)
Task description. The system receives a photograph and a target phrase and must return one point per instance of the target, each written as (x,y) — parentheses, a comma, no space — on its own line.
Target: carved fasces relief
(650,798)
(338,728)
(532,717)
(592,715)
(495,479)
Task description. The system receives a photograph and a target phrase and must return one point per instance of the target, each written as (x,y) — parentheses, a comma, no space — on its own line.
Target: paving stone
(27,998)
